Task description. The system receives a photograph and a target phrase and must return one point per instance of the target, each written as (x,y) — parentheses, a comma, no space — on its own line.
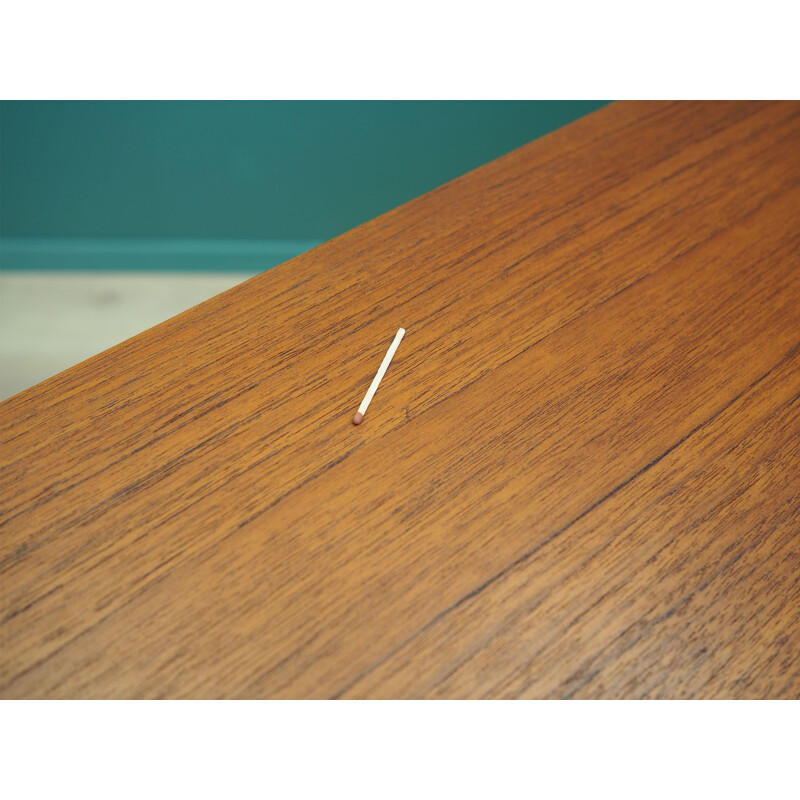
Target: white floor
(52,320)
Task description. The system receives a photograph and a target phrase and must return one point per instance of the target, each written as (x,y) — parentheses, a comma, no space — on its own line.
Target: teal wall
(230,184)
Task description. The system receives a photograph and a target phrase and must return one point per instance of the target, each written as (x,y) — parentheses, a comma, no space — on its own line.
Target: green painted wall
(230,184)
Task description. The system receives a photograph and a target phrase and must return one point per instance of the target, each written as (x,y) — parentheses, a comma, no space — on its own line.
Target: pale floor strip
(52,320)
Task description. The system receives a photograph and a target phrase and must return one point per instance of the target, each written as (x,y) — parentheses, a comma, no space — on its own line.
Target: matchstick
(387,359)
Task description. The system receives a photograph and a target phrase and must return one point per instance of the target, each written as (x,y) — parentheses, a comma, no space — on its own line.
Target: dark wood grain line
(529,554)
(581,567)
(603,597)
(648,628)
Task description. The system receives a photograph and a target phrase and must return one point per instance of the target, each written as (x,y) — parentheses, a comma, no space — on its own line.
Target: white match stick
(387,359)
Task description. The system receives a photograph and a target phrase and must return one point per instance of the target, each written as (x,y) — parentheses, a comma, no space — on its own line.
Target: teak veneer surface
(580,476)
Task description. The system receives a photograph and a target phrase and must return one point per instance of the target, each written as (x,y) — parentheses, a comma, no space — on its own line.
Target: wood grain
(579,478)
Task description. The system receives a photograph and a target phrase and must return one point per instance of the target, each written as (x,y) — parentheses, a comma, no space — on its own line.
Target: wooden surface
(579,478)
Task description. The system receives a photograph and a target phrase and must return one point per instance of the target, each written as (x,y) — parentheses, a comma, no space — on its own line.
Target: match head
(358,418)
